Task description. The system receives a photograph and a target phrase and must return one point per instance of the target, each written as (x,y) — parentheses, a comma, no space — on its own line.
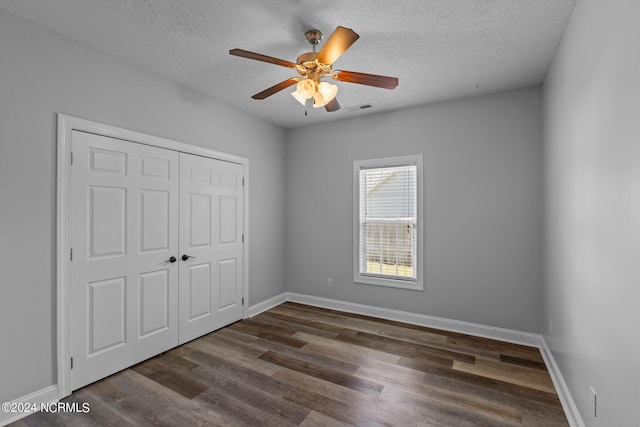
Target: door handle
(172,260)
(186,257)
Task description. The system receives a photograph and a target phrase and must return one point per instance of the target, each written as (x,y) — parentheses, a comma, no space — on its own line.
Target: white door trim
(66,124)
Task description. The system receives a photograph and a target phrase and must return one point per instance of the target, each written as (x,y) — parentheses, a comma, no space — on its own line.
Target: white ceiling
(439,49)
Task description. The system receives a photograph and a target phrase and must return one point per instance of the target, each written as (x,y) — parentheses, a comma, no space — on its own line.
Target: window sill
(389,282)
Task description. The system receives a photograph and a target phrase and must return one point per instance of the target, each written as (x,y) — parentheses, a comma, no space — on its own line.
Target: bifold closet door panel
(211,256)
(124,231)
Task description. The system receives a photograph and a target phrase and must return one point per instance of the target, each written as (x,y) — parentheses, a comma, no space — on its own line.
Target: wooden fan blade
(366,79)
(333,105)
(260,57)
(337,43)
(276,88)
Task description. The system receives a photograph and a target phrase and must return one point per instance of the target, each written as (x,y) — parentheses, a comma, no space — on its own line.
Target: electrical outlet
(310,280)
(594,401)
(330,283)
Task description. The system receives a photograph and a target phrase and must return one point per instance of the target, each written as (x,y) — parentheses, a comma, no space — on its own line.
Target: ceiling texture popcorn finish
(439,49)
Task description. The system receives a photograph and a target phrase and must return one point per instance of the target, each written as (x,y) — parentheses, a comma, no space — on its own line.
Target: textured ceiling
(439,49)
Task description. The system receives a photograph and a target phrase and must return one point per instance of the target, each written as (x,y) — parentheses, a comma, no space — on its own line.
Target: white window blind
(388,222)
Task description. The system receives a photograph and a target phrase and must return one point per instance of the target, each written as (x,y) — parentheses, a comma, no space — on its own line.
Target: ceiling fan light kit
(325,93)
(314,66)
(322,93)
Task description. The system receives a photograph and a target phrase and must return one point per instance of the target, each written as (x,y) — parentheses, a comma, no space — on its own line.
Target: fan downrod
(307,61)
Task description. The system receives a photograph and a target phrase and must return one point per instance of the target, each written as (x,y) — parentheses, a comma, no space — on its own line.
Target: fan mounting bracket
(313,36)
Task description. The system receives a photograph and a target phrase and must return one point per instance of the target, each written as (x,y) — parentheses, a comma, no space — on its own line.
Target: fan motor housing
(308,66)
(307,59)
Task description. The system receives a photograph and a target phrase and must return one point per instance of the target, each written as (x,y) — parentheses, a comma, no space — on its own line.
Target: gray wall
(41,74)
(483,199)
(592,133)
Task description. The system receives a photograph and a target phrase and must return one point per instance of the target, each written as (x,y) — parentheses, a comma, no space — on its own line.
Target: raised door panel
(107,221)
(227,270)
(106,314)
(228,219)
(154,220)
(198,221)
(199,292)
(154,302)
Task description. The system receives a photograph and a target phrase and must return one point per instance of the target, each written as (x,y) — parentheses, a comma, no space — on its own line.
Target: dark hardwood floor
(300,365)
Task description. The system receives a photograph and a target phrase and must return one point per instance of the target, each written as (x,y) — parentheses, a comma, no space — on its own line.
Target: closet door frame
(67,124)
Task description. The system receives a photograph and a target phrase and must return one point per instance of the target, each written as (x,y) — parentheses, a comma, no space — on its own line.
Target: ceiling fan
(314,66)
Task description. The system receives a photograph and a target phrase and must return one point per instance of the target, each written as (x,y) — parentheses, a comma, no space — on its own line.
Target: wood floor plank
(542,415)
(446,340)
(285,322)
(297,365)
(325,393)
(253,378)
(452,409)
(485,346)
(221,351)
(272,333)
(457,400)
(296,380)
(158,371)
(515,374)
(391,374)
(400,326)
(264,395)
(326,374)
(344,351)
(329,361)
(505,358)
(438,375)
(372,326)
(242,413)
(316,419)
(355,412)
(376,327)
(535,410)
(231,341)
(141,401)
(319,325)
(261,345)
(405,349)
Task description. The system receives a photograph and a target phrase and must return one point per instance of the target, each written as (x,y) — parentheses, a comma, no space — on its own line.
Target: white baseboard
(41,397)
(508,335)
(568,404)
(501,334)
(265,305)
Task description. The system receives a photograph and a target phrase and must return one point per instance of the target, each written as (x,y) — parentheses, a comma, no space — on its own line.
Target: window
(388,222)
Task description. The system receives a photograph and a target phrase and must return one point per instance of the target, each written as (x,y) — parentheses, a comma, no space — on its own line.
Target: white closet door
(211,219)
(124,229)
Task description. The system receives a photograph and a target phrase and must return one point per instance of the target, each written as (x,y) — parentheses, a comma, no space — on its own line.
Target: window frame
(390,281)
